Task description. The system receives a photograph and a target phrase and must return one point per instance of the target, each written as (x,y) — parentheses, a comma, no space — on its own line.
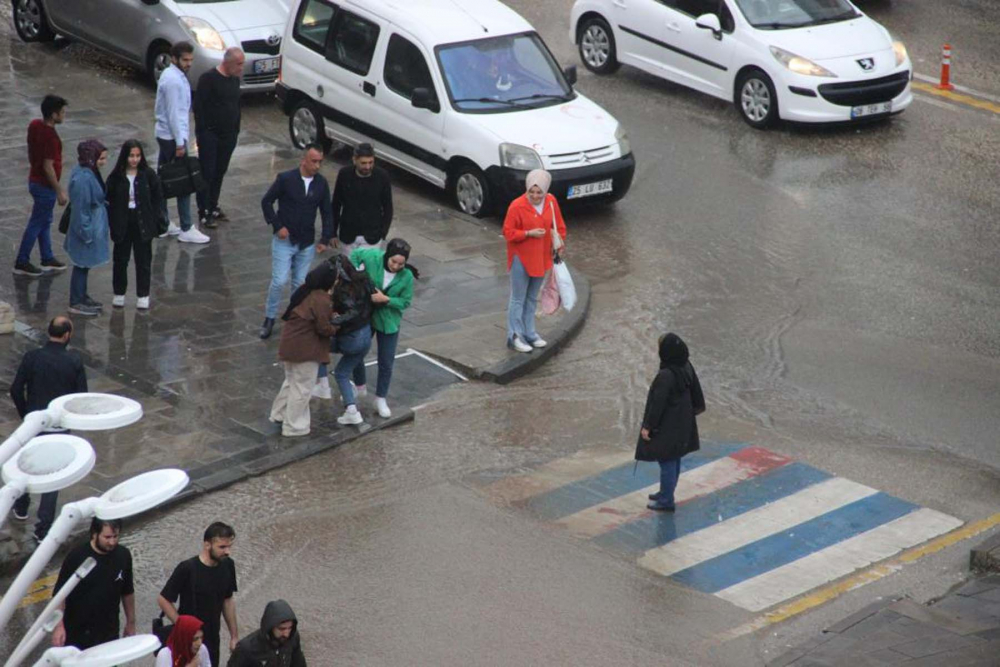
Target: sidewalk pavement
(194,359)
(962,629)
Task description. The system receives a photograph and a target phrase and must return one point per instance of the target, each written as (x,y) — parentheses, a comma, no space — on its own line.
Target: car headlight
(519,157)
(203,33)
(900,50)
(624,147)
(798,64)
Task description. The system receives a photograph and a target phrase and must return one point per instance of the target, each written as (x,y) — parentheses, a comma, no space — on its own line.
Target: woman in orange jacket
(528,230)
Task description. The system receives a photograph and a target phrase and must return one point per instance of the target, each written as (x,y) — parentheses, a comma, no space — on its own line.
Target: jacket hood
(275,613)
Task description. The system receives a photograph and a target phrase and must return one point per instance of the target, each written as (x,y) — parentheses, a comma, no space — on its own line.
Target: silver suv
(141,31)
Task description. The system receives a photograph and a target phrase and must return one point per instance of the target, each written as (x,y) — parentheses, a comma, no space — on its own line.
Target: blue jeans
(46,511)
(168,150)
(352,347)
(670,472)
(523,302)
(287,261)
(38,224)
(386,358)
(78,285)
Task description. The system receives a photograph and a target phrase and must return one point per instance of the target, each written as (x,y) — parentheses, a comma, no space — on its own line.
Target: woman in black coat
(134,215)
(669,430)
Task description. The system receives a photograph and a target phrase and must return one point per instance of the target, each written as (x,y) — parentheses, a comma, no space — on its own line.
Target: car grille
(261,46)
(256,79)
(857,93)
(564,160)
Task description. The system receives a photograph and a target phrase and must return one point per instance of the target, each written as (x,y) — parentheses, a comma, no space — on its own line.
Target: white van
(462,93)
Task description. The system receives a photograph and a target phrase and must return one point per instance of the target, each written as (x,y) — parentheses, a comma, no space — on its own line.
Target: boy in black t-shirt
(205,585)
(90,613)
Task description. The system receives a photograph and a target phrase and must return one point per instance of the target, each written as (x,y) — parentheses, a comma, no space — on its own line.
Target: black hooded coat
(674,398)
(259,649)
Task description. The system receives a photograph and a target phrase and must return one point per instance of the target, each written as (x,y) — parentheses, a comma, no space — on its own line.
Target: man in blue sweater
(299,193)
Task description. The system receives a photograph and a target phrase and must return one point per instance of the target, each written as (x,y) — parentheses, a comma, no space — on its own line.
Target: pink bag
(549,299)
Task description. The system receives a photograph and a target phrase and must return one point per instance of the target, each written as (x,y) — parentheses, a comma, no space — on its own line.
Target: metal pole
(55,656)
(33,424)
(32,640)
(8,496)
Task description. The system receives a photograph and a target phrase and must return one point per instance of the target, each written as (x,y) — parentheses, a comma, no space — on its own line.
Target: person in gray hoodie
(276,644)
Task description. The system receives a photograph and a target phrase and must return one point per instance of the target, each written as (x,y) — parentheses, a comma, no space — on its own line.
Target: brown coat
(306,334)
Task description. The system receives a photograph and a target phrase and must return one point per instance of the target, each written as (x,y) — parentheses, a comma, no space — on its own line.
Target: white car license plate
(871,109)
(266,65)
(589,189)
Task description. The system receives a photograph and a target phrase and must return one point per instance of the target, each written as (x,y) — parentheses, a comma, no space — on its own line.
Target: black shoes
(207,220)
(266,328)
(53,265)
(219,214)
(27,269)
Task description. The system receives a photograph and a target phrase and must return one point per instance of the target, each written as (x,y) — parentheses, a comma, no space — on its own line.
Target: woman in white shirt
(183,647)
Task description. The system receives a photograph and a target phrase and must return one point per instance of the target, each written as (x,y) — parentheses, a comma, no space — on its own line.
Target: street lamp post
(103,655)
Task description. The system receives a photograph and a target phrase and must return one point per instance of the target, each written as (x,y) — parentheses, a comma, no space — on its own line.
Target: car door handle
(619,3)
(368,88)
(674,27)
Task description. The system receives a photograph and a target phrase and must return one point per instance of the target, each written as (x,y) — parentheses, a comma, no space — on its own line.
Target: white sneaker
(142,303)
(322,388)
(172,230)
(118,301)
(539,342)
(351,416)
(520,345)
(383,408)
(193,236)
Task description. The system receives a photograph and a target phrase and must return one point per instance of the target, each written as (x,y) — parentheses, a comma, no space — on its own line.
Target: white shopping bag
(567,291)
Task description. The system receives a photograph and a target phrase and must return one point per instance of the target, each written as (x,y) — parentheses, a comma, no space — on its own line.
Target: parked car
(463,93)
(811,61)
(141,31)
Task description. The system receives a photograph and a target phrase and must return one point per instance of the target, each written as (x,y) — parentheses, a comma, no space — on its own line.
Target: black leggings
(143,250)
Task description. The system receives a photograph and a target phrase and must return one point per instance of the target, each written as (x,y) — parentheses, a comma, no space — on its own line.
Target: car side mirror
(570,74)
(710,22)
(423,98)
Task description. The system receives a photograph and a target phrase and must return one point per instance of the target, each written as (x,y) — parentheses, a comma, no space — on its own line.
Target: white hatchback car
(813,61)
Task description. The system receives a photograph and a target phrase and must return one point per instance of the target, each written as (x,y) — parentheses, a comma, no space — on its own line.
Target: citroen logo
(867,64)
(273,40)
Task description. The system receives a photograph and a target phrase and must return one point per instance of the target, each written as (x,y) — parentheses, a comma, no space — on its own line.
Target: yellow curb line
(875,573)
(40,590)
(956,97)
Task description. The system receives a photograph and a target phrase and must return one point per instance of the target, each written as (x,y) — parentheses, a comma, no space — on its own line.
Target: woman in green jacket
(393,280)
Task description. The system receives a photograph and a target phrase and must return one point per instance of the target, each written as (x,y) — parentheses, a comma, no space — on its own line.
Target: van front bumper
(507,184)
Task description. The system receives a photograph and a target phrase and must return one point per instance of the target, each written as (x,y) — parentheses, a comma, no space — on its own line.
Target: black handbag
(181,177)
(64,220)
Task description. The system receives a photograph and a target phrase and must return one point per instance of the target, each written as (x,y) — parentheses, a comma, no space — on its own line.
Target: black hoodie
(259,649)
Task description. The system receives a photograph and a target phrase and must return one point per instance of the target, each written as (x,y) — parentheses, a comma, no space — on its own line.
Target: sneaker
(519,345)
(53,265)
(192,236)
(322,389)
(350,416)
(219,214)
(93,304)
(383,408)
(539,342)
(142,303)
(27,269)
(172,230)
(84,309)
(208,222)
(118,301)
(19,516)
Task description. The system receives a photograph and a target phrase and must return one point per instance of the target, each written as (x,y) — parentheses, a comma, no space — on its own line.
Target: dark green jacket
(387,317)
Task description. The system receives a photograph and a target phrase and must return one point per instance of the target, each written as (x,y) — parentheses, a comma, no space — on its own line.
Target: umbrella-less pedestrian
(87,239)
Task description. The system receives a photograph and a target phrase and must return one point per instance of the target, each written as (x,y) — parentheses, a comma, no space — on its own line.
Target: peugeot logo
(273,40)
(867,64)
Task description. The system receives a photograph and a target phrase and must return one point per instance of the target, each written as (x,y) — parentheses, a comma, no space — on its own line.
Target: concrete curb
(985,557)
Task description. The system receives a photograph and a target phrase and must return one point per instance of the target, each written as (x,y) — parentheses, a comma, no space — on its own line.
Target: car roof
(436,22)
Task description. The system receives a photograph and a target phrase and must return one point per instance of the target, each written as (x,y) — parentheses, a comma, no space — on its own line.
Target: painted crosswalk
(752,526)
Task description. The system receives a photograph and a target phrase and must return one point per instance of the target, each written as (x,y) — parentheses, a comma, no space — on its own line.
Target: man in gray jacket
(276,644)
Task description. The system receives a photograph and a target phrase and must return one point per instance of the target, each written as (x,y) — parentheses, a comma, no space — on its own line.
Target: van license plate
(871,110)
(589,189)
(266,65)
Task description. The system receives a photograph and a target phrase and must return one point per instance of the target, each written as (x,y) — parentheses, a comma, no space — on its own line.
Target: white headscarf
(539,177)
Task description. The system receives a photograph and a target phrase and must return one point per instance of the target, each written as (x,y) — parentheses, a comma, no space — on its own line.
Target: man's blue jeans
(387,344)
(523,303)
(287,261)
(168,151)
(38,224)
(46,511)
(670,472)
(352,347)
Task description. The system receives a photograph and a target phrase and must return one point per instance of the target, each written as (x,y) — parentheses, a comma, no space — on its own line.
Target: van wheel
(756,99)
(157,61)
(30,21)
(305,125)
(597,46)
(470,190)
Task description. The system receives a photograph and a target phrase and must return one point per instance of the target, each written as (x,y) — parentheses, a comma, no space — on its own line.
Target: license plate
(589,189)
(266,65)
(871,110)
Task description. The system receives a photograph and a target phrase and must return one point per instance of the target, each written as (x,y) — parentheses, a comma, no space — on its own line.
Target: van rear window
(313,24)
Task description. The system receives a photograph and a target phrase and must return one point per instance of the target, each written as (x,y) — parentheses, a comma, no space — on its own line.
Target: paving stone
(933,616)
(859,616)
(934,645)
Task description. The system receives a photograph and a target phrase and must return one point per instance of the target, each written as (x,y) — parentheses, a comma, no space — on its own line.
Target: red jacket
(535,253)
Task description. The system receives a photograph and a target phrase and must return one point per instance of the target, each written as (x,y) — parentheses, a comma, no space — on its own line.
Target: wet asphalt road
(838,289)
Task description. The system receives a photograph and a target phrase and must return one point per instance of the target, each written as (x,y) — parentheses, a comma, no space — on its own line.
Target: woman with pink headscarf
(87,239)
(528,229)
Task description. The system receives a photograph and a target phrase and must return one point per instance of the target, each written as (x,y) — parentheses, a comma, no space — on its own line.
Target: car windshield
(779,14)
(502,74)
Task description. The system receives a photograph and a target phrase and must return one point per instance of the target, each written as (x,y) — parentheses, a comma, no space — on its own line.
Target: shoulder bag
(64,220)
(181,177)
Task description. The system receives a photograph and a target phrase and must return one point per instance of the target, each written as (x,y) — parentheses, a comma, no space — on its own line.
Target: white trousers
(291,405)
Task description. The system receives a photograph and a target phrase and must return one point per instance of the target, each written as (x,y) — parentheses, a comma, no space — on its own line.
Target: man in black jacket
(276,644)
(45,374)
(300,193)
(362,202)
(217,127)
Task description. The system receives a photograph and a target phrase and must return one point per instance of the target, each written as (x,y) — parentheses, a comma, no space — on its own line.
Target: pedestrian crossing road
(752,526)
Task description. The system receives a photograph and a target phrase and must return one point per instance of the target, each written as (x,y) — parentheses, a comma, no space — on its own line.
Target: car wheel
(470,190)
(756,99)
(597,46)
(305,126)
(30,22)
(157,61)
